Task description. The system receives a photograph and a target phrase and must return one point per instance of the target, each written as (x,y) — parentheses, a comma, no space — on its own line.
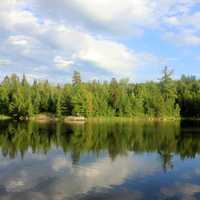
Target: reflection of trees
(166,159)
(115,138)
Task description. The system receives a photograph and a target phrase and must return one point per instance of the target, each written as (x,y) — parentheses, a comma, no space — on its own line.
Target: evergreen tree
(58,107)
(168,90)
(76,79)
(167,98)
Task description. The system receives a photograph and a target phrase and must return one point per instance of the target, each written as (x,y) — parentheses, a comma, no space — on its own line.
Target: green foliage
(188,90)
(76,79)
(165,99)
(58,107)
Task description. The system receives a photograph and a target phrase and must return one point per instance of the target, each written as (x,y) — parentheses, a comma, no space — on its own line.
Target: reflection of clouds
(15,185)
(57,178)
(104,173)
(117,195)
(101,174)
(5,162)
(190,174)
(24,196)
(197,171)
(61,163)
(20,175)
(187,191)
(19,179)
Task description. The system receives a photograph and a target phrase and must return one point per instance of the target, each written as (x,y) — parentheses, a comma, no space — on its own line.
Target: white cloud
(60,62)
(4,62)
(172,20)
(186,37)
(191,20)
(109,55)
(19,40)
(64,35)
(114,15)
(80,46)
(77,46)
(14,18)
(184,28)
(20,46)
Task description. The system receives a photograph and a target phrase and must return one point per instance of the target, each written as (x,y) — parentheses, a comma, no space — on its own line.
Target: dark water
(100,161)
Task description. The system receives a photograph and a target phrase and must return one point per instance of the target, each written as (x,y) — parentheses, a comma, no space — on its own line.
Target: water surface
(100,161)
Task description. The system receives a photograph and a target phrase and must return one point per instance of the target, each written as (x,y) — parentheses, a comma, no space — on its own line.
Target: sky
(135,39)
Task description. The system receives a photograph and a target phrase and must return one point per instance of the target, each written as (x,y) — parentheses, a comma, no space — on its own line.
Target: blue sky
(48,39)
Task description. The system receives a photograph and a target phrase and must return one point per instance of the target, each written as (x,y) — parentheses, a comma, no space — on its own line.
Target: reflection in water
(99,161)
(184,191)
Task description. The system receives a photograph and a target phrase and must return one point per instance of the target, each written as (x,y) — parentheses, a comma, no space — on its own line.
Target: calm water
(100,161)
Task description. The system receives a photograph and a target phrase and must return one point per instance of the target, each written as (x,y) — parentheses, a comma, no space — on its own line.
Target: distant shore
(47,117)
(43,118)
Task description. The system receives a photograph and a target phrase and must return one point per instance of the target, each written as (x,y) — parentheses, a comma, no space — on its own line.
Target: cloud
(186,37)
(72,47)
(60,163)
(117,16)
(90,36)
(91,175)
(15,185)
(60,62)
(183,28)
(81,46)
(186,191)
(4,62)
(18,40)
(109,55)
(14,18)
(62,179)
(20,45)
(191,19)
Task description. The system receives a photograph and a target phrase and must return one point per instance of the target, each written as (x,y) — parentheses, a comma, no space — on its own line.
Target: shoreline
(45,118)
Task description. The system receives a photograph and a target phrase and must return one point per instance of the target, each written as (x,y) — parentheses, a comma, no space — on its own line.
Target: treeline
(167,98)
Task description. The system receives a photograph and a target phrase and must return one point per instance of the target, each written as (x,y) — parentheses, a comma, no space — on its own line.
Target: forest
(165,98)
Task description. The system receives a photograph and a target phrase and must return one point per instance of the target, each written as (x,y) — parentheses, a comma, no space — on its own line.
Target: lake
(100,161)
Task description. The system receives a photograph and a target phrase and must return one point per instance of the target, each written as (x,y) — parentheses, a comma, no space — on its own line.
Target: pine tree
(168,90)
(76,79)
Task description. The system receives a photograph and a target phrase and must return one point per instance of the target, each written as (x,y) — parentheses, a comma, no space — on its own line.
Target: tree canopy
(166,98)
